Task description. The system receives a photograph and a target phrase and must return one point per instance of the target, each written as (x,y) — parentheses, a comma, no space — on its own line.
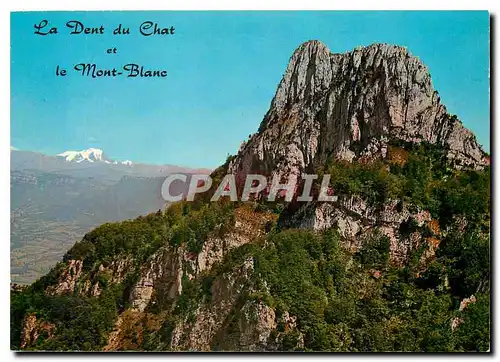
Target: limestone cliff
(348,106)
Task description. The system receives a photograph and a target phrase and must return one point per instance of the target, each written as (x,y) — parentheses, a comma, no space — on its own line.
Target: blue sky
(223,69)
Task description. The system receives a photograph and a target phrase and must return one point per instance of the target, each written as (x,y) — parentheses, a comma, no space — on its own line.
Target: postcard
(250,181)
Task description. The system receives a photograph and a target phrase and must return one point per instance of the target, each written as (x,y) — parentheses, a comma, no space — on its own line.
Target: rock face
(209,319)
(230,321)
(348,106)
(33,328)
(356,221)
(457,321)
(163,272)
(68,278)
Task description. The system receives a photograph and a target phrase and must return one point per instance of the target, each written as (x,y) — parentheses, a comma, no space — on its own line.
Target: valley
(55,201)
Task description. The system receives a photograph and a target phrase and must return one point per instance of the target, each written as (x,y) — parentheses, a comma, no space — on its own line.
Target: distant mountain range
(55,200)
(91,162)
(90,155)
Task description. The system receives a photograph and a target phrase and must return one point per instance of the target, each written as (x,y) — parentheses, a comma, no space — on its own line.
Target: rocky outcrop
(262,330)
(73,279)
(230,321)
(210,317)
(357,220)
(16,288)
(33,328)
(457,321)
(466,301)
(114,272)
(163,272)
(256,323)
(68,278)
(348,106)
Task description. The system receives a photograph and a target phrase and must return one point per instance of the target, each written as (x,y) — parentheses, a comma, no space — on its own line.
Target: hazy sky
(223,69)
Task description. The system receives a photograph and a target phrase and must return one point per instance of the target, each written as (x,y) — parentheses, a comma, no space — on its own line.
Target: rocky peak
(308,72)
(349,106)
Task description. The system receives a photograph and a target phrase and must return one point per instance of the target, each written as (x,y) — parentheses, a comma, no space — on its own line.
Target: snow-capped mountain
(89,155)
